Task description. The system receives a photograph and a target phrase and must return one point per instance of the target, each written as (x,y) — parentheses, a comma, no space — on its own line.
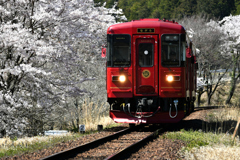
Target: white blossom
(44,47)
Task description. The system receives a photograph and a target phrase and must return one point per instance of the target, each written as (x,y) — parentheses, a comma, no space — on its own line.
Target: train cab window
(119,50)
(173,50)
(145,54)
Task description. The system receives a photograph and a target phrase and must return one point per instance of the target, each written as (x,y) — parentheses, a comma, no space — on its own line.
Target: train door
(145,65)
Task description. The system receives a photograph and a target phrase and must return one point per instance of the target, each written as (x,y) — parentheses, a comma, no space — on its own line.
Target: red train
(151,72)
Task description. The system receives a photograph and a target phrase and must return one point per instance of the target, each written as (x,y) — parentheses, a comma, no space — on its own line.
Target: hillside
(174,9)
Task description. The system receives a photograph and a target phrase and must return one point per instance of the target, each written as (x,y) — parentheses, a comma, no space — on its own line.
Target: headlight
(169,78)
(122,78)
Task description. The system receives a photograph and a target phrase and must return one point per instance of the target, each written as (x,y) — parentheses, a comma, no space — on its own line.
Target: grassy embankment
(214,139)
(217,142)
(92,118)
(214,144)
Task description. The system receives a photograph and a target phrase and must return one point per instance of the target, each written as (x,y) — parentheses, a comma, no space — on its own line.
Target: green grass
(32,147)
(199,138)
(50,141)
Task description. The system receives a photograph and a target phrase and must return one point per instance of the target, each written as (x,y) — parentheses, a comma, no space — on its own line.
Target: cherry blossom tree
(21,58)
(218,42)
(207,40)
(231,48)
(44,48)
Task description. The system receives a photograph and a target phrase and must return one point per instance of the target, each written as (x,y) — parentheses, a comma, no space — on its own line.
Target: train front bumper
(160,117)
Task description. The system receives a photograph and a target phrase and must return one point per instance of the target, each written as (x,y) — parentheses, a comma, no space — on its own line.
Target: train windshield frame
(119,50)
(173,50)
(146,54)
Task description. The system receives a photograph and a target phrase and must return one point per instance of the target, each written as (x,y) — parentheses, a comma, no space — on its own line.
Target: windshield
(145,54)
(173,50)
(119,51)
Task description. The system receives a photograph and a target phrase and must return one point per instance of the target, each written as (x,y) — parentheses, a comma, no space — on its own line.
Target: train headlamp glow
(122,78)
(170,78)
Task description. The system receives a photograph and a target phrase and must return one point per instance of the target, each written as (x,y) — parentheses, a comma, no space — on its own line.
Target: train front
(146,72)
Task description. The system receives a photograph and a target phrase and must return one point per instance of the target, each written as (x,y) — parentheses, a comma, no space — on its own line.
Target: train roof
(159,26)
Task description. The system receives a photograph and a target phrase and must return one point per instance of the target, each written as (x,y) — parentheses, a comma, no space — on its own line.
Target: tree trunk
(209,100)
(231,92)
(233,79)
(209,93)
(199,99)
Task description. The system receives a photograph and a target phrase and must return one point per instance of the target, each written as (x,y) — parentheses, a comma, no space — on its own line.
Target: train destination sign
(146,30)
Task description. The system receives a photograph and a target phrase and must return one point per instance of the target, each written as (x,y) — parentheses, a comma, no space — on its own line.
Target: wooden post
(235,131)
(100,127)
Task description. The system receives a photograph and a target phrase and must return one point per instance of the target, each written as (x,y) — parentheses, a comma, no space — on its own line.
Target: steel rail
(134,147)
(70,153)
(207,108)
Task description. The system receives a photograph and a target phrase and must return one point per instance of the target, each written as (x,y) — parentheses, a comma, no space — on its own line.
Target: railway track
(116,146)
(207,108)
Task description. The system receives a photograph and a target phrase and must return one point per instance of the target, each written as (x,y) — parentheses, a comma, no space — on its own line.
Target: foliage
(220,41)
(207,40)
(229,26)
(237,10)
(172,9)
(199,138)
(44,49)
(88,113)
(49,54)
(20,146)
(9,147)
